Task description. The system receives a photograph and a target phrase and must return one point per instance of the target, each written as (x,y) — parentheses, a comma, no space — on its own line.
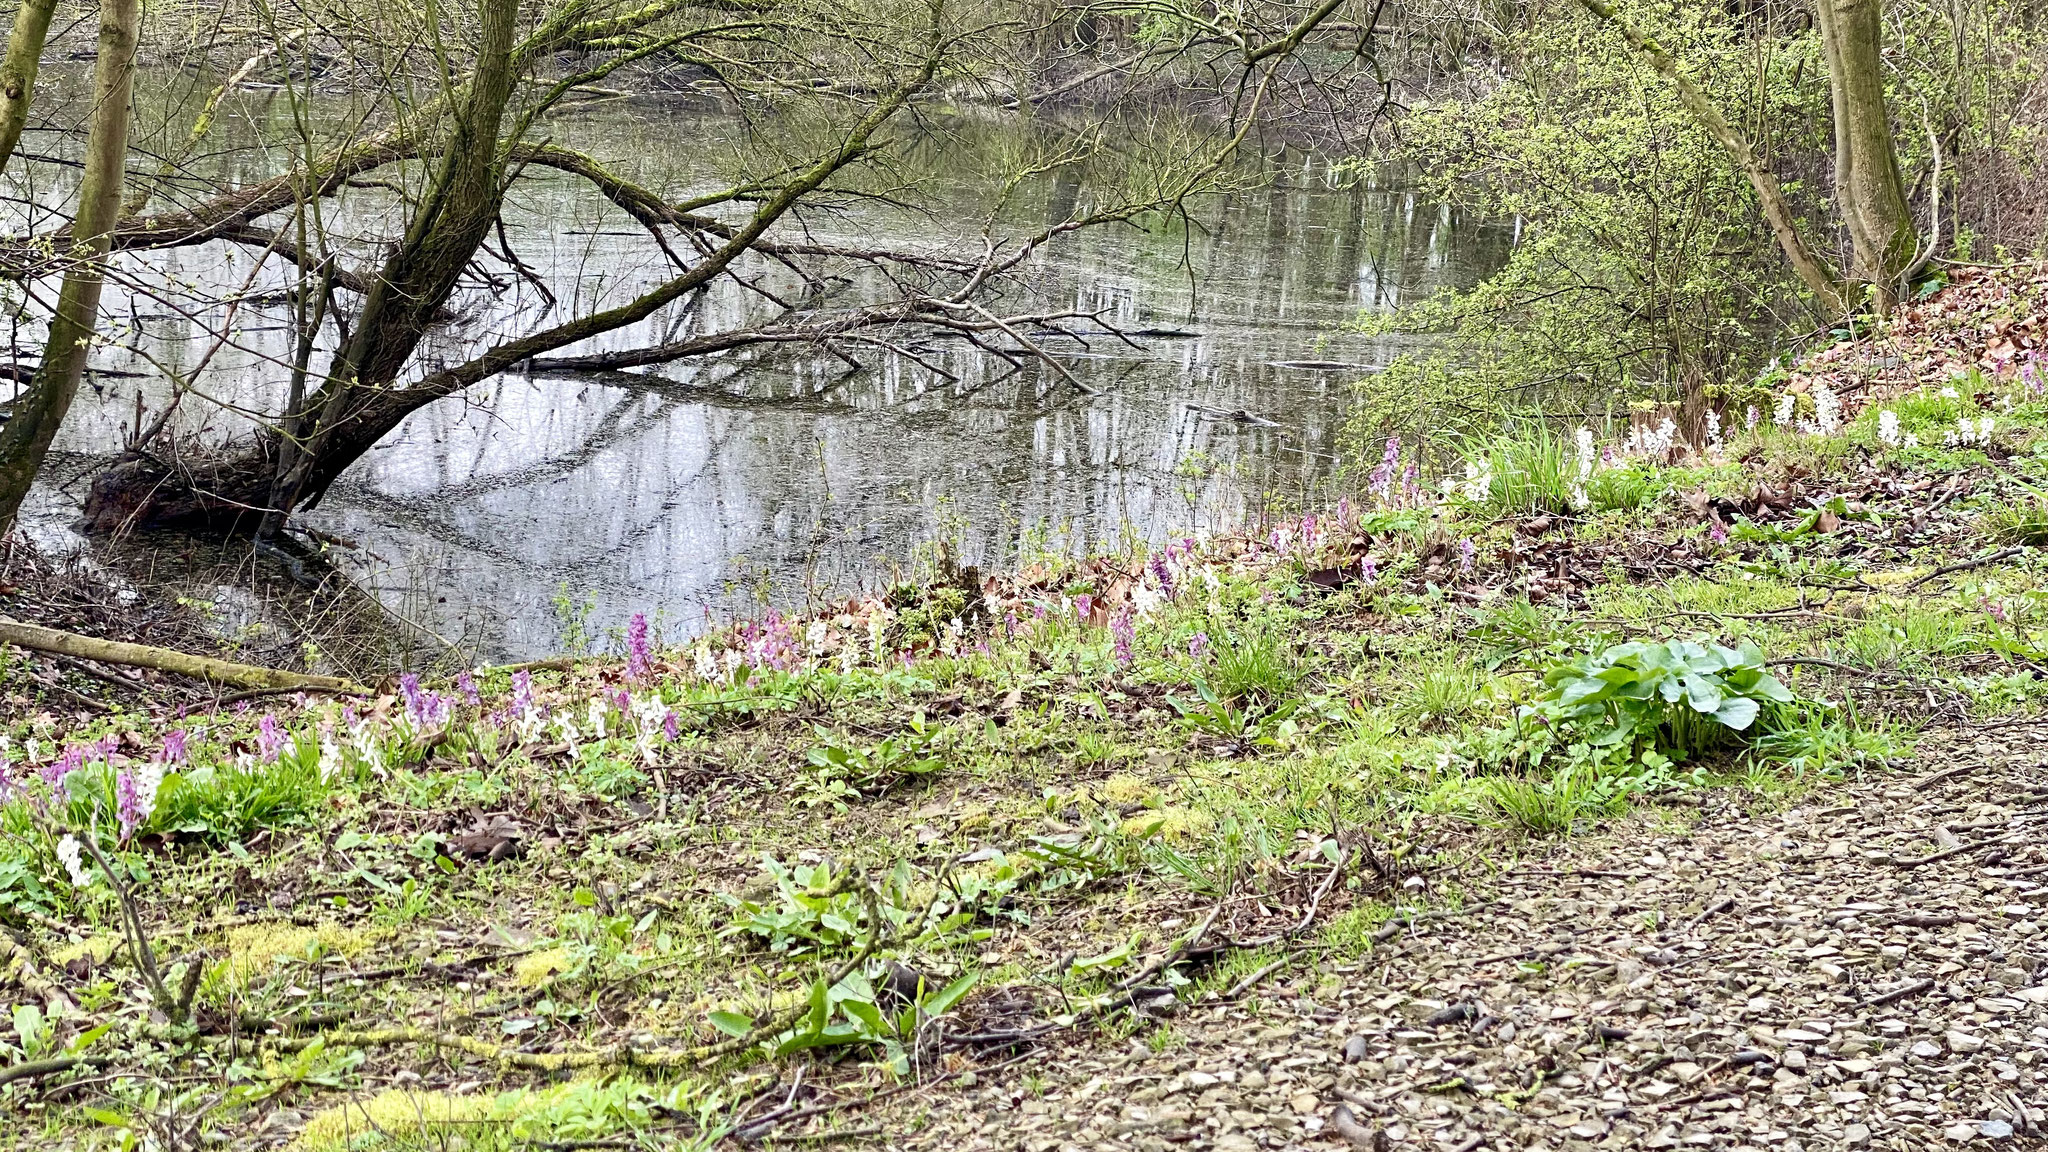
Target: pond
(546,508)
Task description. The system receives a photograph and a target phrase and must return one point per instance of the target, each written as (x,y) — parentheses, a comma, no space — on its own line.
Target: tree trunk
(1812,271)
(18,71)
(40,410)
(1869,189)
(454,218)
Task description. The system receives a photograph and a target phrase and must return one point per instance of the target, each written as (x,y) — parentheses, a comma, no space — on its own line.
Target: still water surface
(695,490)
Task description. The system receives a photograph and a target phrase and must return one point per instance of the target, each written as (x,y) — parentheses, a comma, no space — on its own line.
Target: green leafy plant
(1549,806)
(1625,489)
(1672,697)
(873,768)
(854,1013)
(1223,717)
(1527,471)
(818,911)
(1252,662)
(231,801)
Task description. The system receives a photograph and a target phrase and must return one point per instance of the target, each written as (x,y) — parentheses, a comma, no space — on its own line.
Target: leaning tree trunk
(40,410)
(454,218)
(1869,188)
(18,70)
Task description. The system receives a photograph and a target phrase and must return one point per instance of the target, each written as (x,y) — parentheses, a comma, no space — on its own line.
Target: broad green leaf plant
(1656,701)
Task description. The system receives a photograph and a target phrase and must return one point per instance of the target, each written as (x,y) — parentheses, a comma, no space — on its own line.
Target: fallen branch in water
(164,660)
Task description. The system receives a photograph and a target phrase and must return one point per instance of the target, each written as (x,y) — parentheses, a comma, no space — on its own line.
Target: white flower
(148,777)
(1584,436)
(1911,441)
(1713,428)
(1827,410)
(814,637)
(1145,600)
(1581,500)
(1888,428)
(1750,418)
(597,714)
(706,663)
(1782,415)
(330,760)
(1478,479)
(1658,443)
(74,863)
(1984,426)
(1948,392)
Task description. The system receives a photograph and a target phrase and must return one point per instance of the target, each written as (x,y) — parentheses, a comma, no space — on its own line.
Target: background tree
(25,439)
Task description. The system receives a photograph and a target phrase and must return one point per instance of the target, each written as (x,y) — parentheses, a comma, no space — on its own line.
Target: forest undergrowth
(730,888)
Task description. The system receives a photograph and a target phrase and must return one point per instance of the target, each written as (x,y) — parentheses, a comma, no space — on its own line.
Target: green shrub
(1550,807)
(1625,489)
(1253,663)
(2021,522)
(1673,698)
(231,801)
(1526,472)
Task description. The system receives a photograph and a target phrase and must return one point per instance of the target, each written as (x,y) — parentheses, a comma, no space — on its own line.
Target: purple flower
(71,761)
(409,691)
(1717,532)
(1466,552)
(1163,572)
(522,692)
(1311,533)
(1122,632)
(174,747)
(1369,570)
(670,726)
(466,684)
(1198,645)
(1344,511)
(1411,485)
(128,804)
(269,738)
(638,664)
(1084,607)
(1382,481)
(621,700)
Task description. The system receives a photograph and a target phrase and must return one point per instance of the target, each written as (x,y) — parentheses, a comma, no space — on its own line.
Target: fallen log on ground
(165,660)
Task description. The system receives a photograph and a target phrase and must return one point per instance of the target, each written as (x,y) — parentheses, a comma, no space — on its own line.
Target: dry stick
(1961,849)
(1926,782)
(1965,565)
(163,659)
(1245,985)
(1710,911)
(1913,989)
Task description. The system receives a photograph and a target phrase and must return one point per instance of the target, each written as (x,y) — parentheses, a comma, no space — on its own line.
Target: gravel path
(1867,969)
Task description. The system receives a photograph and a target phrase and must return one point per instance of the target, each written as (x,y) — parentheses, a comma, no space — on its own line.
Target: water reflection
(691,490)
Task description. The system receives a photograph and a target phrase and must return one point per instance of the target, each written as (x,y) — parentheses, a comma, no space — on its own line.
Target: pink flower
(1122,632)
(638,663)
(128,807)
(174,747)
(270,740)
(73,759)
